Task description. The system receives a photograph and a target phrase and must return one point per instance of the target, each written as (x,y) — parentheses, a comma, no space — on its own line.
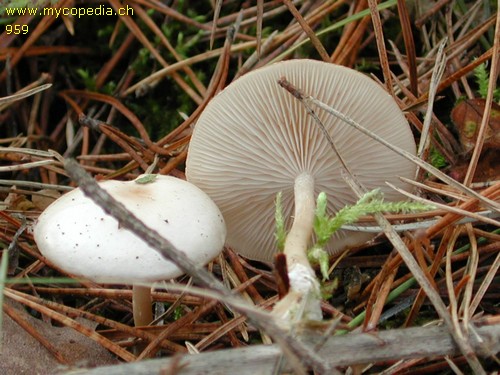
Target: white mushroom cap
(78,236)
(254,139)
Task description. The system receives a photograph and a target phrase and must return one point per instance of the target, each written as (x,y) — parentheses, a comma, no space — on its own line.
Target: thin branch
(346,350)
(429,168)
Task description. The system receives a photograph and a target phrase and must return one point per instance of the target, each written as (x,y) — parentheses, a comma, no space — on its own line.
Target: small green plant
(178,312)
(325,226)
(185,45)
(89,81)
(437,159)
(87,78)
(370,203)
(366,66)
(482,80)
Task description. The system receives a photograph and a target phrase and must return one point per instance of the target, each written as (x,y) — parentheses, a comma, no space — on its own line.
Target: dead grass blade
(134,28)
(186,62)
(470,276)
(217,8)
(120,327)
(6,101)
(448,208)
(429,168)
(382,51)
(134,120)
(308,30)
(111,346)
(404,18)
(488,279)
(34,35)
(17,317)
(350,41)
(161,36)
(378,297)
(489,99)
(425,134)
(260,18)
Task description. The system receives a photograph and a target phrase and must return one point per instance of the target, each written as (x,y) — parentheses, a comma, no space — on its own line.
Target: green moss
(482,80)
(437,159)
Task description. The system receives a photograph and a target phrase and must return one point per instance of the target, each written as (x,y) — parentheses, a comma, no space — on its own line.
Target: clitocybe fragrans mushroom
(254,139)
(76,235)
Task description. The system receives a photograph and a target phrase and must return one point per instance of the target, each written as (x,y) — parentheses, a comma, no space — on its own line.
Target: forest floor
(119,86)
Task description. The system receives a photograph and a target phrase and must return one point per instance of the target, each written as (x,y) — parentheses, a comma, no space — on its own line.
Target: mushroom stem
(303,299)
(141,305)
(299,236)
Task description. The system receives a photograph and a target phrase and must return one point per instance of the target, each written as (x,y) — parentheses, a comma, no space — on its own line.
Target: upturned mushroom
(77,235)
(254,140)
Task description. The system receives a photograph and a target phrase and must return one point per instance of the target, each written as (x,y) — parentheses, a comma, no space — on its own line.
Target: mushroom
(76,235)
(254,140)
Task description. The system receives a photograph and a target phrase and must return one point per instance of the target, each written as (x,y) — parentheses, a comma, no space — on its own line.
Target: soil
(20,353)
